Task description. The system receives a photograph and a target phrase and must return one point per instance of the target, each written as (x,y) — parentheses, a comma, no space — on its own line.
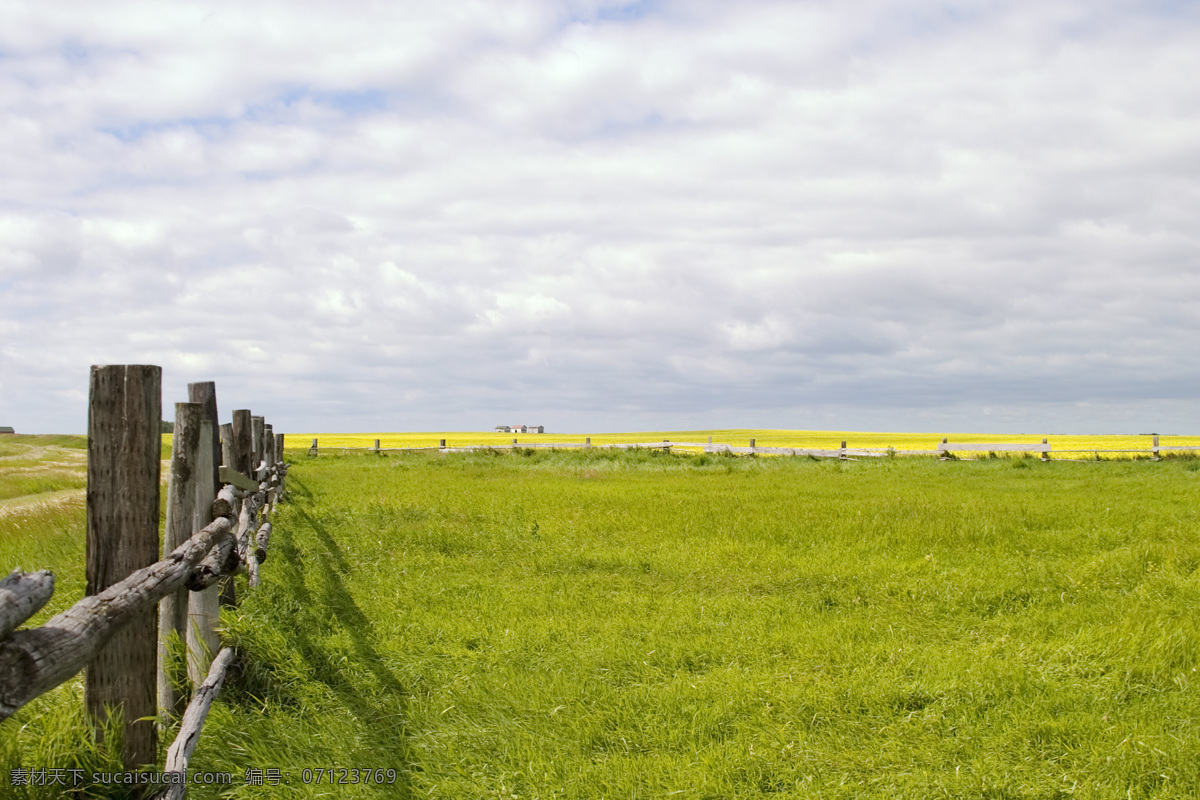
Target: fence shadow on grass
(319,608)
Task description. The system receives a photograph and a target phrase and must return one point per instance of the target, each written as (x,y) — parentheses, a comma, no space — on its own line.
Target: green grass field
(604,624)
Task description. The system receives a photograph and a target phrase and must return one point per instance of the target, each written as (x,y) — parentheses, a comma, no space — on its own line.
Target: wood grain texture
(257,427)
(180,751)
(180,523)
(227,447)
(124,446)
(243,441)
(205,393)
(203,608)
(226,502)
(22,594)
(238,479)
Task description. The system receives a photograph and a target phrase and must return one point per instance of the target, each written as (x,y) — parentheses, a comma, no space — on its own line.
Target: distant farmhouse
(6,430)
(520,429)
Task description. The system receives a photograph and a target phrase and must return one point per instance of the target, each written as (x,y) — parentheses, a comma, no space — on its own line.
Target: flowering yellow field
(763,438)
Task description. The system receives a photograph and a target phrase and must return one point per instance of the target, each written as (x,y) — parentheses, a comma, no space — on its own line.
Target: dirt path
(50,455)
(42,501)
(50,459)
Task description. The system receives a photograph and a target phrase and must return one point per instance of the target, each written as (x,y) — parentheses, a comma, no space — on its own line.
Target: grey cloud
(698,215)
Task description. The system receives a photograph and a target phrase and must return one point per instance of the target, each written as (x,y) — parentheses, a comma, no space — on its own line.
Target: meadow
(638,625)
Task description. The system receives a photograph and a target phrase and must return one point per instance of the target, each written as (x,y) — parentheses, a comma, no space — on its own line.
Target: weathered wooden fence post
(179,527)
(243,441)
(247,448)
(1045,451)
(205,393)
(257,430)
(227,449)
(241,453)
(124,446)
(204,606)
(1154,449)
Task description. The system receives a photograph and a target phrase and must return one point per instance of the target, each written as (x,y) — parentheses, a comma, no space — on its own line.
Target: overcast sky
(914,215)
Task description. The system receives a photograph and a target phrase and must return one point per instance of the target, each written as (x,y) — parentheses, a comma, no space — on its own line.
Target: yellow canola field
(825,440)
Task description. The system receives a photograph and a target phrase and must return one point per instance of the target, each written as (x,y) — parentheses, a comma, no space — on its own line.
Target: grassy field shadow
(312,666)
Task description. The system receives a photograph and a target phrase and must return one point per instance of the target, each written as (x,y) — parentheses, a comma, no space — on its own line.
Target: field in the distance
(763,438)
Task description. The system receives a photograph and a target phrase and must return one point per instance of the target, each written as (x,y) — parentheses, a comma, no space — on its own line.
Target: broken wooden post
(181,749)
(262,541)
(124,446)
(22,594)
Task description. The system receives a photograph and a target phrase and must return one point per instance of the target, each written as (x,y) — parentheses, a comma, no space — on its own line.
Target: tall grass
(42,526)
(604,624)
(631,625)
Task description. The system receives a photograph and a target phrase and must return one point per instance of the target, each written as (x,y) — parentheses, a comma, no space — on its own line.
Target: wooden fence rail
(221,492)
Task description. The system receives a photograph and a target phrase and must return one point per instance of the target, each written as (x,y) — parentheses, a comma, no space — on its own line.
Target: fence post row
(944,450)
(112,632)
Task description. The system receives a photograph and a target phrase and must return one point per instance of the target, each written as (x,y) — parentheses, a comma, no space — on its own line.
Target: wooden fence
(224,483)
(944,449)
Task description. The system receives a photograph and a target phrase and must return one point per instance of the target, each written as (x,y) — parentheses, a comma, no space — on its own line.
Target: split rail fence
(944,449)
(225,481)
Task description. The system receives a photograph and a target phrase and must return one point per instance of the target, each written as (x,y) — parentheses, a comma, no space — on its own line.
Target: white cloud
(623,213)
